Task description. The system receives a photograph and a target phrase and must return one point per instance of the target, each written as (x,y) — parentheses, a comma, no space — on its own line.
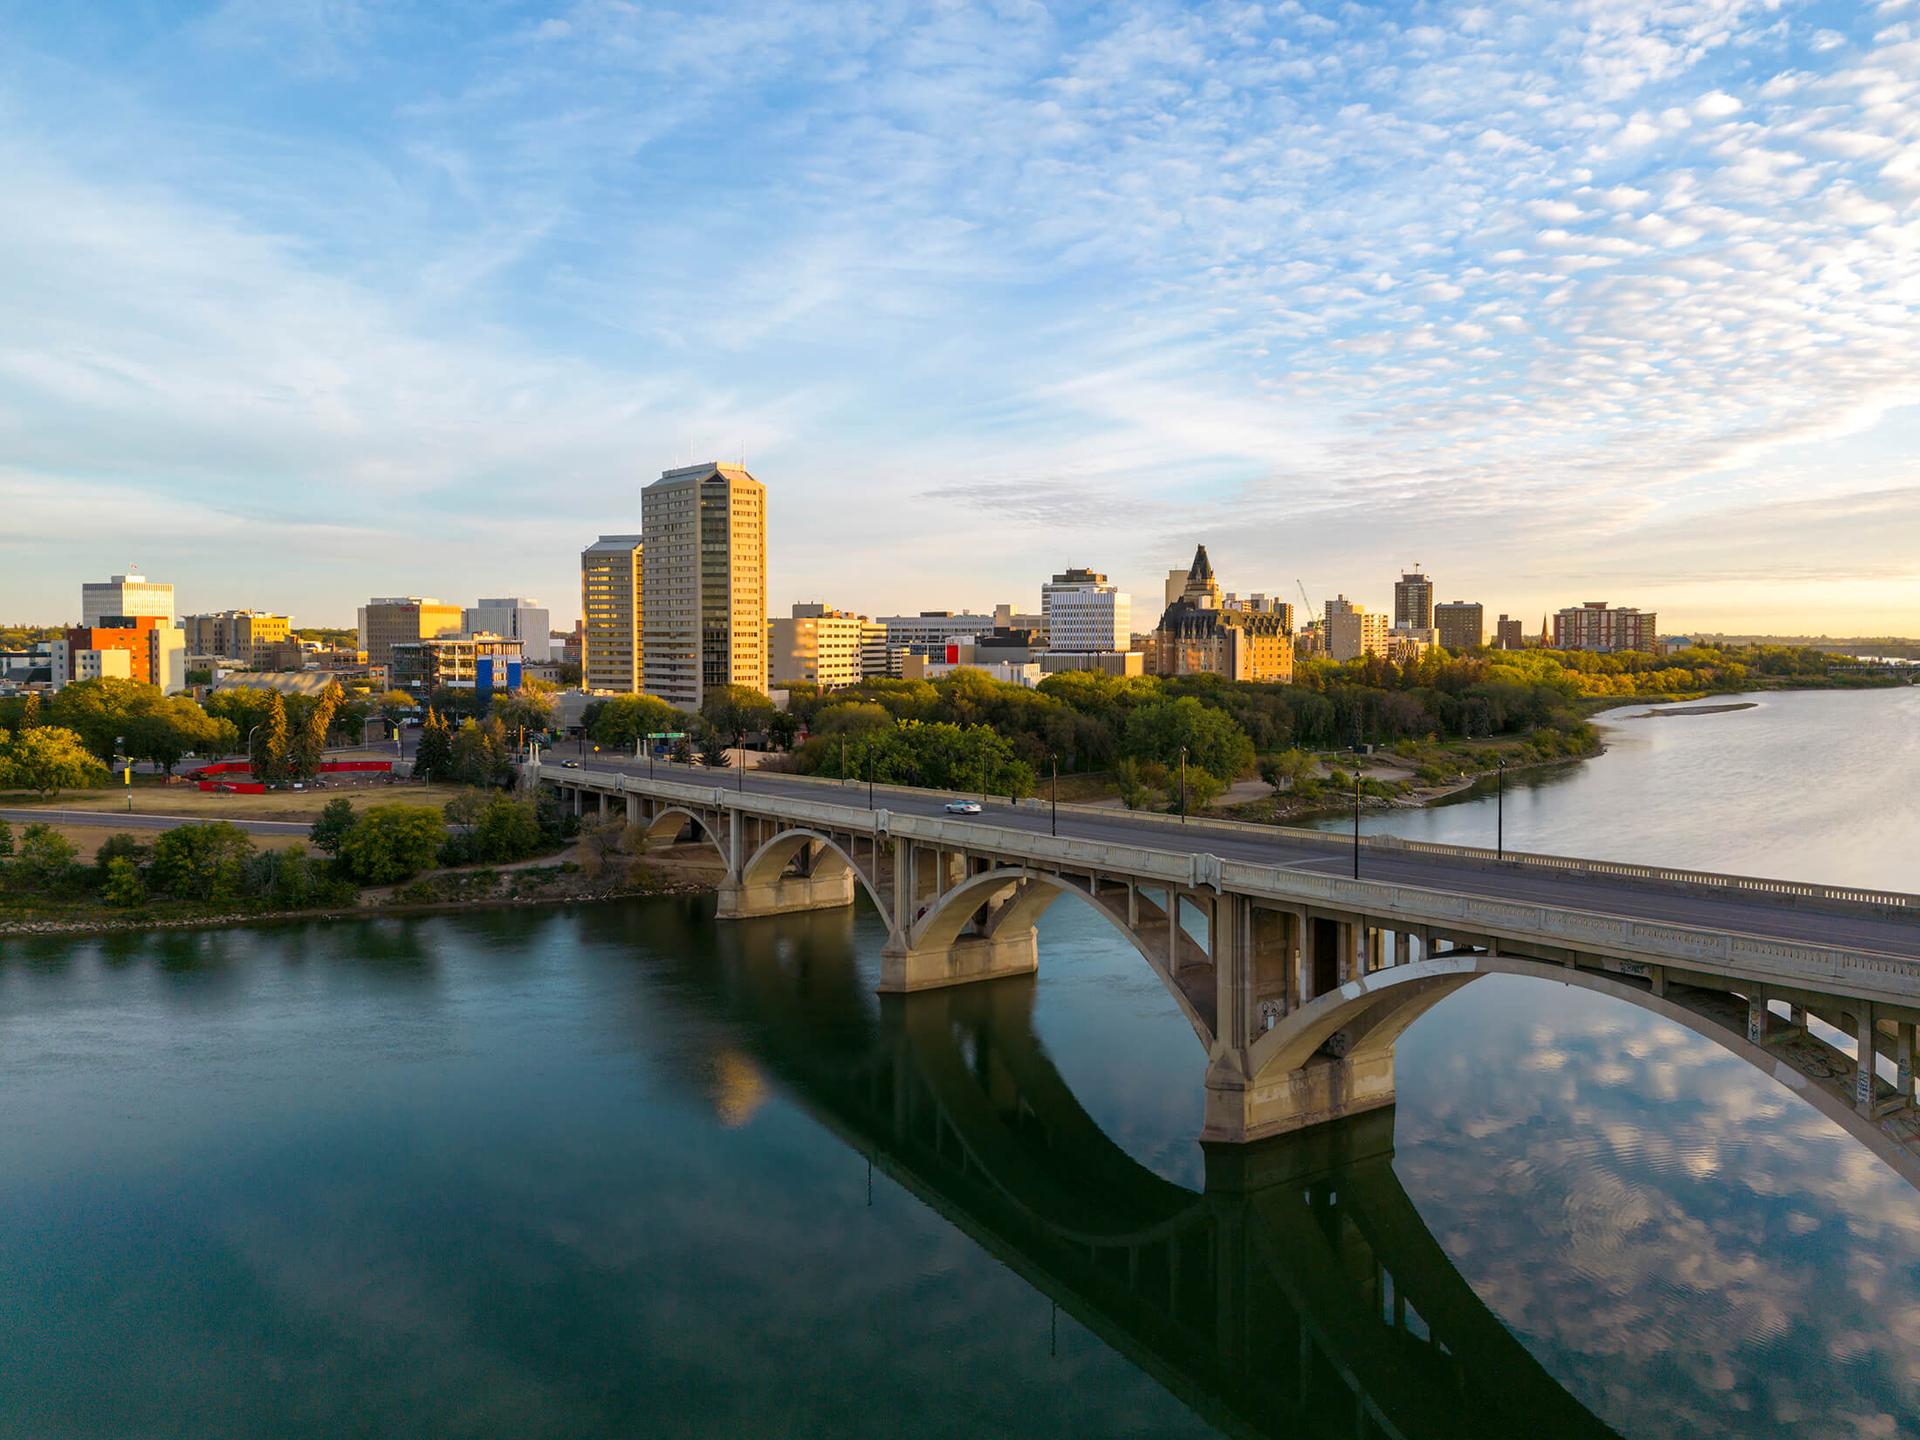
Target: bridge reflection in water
(1298,1293)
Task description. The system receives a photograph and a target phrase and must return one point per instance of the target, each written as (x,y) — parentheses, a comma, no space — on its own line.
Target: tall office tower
(1413,601)
(1083,612)
(611,613)
(705,528)
(1508,634)
(1462,624)
(125,596)
(514,618)
(391,620)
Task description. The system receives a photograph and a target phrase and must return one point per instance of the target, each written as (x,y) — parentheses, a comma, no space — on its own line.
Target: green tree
(121,885)
(1133,789)
(206,861)
(528,708)
(390,843)
(480,753)
(1202,789)
(98,711)
(713,750)
(433,759)
(30,711)
(736,711)
(308,745)
(6,840)
(121,846)
(282,878)
(1160,729)
(395,705)
(49,758)
(782,728)
(331,825)
(1284,771)
(267,750)
(507,830)
(165,728)
(45,860)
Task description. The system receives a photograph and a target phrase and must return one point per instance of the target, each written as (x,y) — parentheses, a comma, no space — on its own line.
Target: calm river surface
(605,1171)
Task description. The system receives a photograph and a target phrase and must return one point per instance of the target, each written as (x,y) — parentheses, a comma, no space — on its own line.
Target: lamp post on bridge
(1183,784)
(1356,822)
(1500,809)
(869,774)
(1054,760)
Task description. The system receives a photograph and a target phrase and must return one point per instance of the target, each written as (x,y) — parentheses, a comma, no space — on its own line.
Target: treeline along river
(618,1170)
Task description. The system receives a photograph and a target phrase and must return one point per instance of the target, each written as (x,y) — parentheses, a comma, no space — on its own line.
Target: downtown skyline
(315,302)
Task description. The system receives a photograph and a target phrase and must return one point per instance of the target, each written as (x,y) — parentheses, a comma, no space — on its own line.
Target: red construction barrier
(255,787)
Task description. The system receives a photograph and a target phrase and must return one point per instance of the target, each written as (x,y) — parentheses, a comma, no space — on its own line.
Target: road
(1852,927)
(137,820)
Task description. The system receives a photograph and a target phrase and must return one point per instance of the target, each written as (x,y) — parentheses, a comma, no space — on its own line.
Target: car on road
(963,807)
(569,764)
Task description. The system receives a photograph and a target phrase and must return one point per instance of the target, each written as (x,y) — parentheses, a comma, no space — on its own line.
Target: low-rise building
(155,649)
(244,636)
(1594,625)
(1408,642)
(928,634)
(919,667)
(1119,663)
(481,663)
(1460,625)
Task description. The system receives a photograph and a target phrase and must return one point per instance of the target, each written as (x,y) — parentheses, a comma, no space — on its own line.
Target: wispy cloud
(1324,285)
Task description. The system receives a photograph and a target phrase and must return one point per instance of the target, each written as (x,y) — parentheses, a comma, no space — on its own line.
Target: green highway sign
(668,735)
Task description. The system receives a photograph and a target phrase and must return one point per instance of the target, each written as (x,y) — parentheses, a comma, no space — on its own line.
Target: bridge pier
(784,895)
(905,968)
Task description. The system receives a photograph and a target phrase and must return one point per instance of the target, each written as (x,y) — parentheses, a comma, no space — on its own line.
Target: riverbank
(553,881)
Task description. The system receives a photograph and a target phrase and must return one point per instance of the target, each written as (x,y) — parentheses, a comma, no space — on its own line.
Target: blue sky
(304,300)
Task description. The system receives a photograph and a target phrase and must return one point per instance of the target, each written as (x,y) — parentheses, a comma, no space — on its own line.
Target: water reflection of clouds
(1690,1249)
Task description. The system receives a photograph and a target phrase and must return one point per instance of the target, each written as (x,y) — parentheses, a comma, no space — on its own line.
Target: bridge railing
(1786,891)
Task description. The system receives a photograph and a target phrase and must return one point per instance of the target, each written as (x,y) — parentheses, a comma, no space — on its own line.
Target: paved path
(138,820)
(1856,927)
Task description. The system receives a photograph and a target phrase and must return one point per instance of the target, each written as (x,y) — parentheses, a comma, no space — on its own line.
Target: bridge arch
(1364,1018)
(667,824)
(1024,896)
(767,864)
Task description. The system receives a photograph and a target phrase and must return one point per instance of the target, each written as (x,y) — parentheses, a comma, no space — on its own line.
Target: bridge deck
(1855,927)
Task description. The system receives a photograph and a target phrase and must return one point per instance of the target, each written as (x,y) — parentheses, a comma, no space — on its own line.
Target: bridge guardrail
(1790,962)
(1784,890)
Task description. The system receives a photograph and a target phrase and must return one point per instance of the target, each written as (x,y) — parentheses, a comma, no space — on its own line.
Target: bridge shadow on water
(1297,1293)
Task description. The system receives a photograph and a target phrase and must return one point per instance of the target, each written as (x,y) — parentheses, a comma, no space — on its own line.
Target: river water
(618,1170)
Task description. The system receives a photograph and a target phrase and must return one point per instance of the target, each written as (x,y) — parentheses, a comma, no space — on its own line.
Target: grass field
(155,799)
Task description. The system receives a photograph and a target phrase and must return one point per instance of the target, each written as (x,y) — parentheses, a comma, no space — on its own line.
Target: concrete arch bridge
(1297,978)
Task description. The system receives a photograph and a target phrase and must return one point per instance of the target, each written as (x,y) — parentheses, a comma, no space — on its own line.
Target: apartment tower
(611,614)
(1413,601)
(705,528)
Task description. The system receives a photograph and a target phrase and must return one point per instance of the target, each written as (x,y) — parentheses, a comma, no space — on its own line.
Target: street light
(742,748)
(1055,761)
(1183,784)
(869,775)
(1500,809)
(1356,822)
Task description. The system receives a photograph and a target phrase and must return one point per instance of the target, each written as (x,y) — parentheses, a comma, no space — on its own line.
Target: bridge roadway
(1297,978)
(1766,916)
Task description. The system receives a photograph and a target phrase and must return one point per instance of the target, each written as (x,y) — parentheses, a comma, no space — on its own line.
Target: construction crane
(1304,598)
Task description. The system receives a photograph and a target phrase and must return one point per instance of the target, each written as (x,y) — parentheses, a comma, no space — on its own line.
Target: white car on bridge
(963,807)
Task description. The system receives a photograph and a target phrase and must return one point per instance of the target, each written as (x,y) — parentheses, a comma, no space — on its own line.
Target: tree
(619,722)
(1203,787)
(206,861)
(6,840)
(120,846)
(308,747)
(433,760)
(49,758)
(284,878)
(330,828)
(395,705)
(166,728)
(1133,789)
(98,710)
(507,829)
(528,708)
(603,837)
(1286,770)
(736,711)
(267,749)
(120,883)
(45,859)
(390,843)
(713,750)
(30,711)
(1161,729)
(782,728)
(480,753)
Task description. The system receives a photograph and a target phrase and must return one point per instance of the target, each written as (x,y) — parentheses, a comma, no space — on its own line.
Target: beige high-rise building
(1353,631)
(1460,625)
(395,619)
(126,596)
(817,645)
(706,582)
(611,615)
